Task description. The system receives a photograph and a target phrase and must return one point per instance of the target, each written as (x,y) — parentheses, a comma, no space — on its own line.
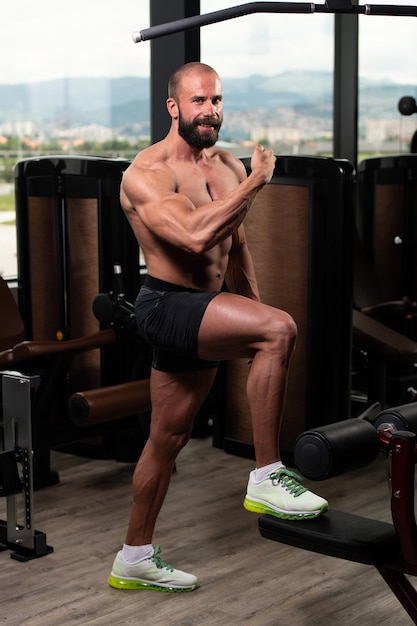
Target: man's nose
(209,109)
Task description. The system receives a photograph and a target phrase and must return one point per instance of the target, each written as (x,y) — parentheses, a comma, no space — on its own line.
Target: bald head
(176,80)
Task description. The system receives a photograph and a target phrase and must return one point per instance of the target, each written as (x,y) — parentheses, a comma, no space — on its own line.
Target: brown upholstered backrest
(300,233)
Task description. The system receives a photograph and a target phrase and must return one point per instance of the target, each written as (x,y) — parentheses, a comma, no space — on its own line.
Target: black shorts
(169,318)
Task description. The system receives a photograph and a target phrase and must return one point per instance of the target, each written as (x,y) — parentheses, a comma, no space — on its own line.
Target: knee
(169,444)
(291,329)
(178,441)
(283,333)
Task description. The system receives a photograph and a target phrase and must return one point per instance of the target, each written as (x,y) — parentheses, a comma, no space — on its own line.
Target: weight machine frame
(331,6)
(16,535)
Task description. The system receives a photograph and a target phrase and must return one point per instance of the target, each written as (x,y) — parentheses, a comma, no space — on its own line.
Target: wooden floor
(203,528)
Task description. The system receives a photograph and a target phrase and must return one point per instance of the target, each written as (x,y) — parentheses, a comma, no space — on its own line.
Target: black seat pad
(337,534)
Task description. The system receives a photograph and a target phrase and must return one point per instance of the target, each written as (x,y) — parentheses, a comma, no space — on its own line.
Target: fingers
(263,160)
(263,152)
(262,148)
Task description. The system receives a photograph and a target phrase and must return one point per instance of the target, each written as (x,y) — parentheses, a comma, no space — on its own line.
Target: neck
(180,149)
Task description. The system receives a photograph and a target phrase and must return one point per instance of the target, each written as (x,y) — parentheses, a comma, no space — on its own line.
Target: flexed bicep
(170,219)
(149,198)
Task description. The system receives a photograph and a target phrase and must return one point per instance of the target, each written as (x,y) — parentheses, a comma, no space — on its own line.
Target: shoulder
(153,158)
(149,168)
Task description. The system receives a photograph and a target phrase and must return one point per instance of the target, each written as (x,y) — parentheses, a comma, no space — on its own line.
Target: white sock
(134,554)
(260,473)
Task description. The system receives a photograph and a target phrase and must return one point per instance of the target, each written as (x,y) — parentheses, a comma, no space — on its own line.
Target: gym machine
(25,455)
(24,460)
(346,446)
(97,406)
(49,361)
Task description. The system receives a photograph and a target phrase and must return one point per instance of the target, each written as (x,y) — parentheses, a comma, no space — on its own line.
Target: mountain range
(116,102)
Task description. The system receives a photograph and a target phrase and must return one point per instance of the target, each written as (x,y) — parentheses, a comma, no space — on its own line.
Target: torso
(202,182)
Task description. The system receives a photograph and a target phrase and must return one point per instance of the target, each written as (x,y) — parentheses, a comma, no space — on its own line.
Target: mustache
(208,121)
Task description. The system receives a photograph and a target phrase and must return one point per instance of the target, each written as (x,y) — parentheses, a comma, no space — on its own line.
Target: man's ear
(172,107)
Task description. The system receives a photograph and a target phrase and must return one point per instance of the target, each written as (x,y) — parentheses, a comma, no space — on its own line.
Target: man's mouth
(207,124)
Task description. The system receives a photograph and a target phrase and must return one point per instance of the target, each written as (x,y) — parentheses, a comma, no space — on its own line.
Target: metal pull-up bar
(331,6)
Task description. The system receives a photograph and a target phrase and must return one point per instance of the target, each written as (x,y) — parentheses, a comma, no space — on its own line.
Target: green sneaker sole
(121,583)
(257,507)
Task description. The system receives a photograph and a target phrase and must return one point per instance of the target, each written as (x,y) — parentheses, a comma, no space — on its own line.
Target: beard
(195,138)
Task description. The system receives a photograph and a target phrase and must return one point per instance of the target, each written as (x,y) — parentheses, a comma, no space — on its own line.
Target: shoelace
(159,562)
(289,480)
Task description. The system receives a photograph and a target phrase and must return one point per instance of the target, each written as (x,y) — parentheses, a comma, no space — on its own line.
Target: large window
(71,82)
(387,72)
(277,73)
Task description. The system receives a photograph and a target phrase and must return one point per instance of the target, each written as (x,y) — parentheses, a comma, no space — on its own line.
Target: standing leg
(176,399)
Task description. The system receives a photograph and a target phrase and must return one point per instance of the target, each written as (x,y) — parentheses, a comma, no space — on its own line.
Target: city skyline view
(101,109)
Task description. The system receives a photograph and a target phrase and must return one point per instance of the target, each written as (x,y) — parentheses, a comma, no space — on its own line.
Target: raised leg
(233,327)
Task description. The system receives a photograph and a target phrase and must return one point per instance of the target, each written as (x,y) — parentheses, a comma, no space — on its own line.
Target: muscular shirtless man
(186,200)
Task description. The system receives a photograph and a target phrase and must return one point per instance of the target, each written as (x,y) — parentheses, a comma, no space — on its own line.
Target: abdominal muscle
(204,272)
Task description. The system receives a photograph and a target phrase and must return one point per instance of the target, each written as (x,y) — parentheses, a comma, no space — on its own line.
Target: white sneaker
(151,573)
(281,494)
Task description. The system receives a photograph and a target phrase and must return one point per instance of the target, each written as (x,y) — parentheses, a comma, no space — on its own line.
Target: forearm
(212,223)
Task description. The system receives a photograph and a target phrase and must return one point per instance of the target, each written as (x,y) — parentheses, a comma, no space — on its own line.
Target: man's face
(200,110)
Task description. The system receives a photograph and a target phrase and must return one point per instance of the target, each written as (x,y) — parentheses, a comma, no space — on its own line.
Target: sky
(48,39)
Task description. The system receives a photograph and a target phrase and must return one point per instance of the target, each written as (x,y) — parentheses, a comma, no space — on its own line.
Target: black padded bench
(390,548)
(337,534)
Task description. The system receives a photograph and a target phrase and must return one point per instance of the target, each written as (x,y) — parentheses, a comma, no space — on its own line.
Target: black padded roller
(337,448)
(398,418)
